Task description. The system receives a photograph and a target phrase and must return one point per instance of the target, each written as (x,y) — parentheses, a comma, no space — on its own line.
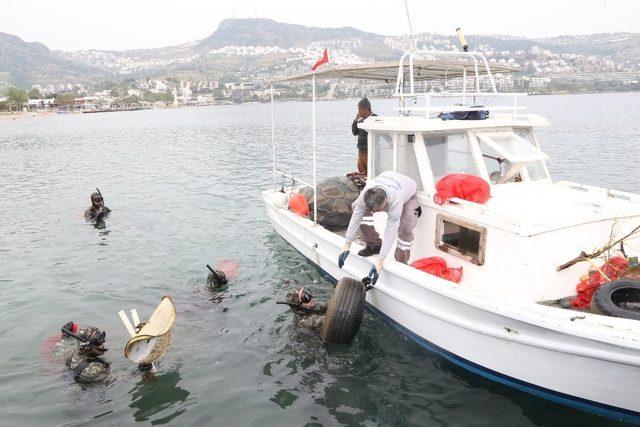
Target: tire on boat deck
(344,312)
(609,297)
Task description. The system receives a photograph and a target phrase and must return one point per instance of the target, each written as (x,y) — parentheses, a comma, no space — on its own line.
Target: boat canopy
(415,66)
(427,69)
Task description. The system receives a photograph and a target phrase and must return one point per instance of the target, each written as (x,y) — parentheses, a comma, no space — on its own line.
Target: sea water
(184,186)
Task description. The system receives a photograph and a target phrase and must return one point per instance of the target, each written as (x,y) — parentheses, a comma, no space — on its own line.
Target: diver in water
(98,211)
(216,279)
(309,314)
(85,360)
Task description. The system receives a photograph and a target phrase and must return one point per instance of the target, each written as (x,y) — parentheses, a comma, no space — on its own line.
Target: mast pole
(273,137)
(413,37)
(313,148)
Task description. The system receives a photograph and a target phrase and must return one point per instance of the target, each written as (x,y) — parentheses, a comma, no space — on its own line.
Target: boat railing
(472,65)
(293,179)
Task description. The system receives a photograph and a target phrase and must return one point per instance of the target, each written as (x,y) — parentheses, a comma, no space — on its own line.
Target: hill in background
(254,49)
(23,64)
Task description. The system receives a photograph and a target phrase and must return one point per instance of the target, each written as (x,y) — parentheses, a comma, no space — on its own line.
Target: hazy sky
(128,24)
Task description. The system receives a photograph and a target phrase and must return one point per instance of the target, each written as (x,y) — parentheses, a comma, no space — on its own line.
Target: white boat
(492,322)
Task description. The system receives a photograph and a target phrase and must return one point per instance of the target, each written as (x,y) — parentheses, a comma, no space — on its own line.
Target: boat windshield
(450,153)
(537,170)
(510,158)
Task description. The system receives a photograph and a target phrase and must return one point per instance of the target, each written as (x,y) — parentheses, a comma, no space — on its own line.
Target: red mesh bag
(437,266)
(298,204)
(613,268)
(462,186)
(229,268)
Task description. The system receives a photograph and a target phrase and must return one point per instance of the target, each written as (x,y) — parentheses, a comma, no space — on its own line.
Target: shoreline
(22,115)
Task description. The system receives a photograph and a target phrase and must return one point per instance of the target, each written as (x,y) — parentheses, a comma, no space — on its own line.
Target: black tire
(344,312)
(611,299)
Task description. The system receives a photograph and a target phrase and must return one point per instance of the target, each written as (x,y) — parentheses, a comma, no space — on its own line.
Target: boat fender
(279,199)
(344,312)
(298,204)
(611,299)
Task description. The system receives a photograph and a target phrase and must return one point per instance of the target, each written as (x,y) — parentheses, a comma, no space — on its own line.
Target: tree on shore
(157,96)
(126,101)
(15,98)
(64,100)
(34,93)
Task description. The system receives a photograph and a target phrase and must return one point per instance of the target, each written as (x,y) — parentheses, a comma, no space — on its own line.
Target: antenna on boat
(413,37)
(463,41)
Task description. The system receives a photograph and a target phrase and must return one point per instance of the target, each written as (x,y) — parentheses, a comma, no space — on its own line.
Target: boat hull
(588,374)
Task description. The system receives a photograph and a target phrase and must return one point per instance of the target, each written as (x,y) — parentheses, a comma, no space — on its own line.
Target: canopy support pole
(313,148)
(273,137)
(464,86)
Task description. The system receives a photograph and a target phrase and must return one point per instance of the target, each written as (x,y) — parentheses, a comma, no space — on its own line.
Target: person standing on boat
(98,211)
(364,111)
(394,194)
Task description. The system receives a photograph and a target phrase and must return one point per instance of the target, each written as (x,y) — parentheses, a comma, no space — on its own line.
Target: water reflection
(158,394)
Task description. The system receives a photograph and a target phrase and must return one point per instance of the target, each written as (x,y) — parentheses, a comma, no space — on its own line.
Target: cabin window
(383,153)
(461,238)
(407,163)
(536,170)
(450,153)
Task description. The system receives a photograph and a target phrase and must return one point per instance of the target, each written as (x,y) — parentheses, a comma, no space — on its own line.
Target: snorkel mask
(95,341)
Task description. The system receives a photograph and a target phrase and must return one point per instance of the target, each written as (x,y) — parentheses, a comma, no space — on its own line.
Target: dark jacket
(361,133)
(85,367)
(96,214)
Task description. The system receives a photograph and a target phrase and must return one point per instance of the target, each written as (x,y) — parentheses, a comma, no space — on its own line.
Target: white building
(160,85)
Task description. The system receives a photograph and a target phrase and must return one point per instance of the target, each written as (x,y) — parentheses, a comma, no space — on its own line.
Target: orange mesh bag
(437,266)
(467,187)
(613,268)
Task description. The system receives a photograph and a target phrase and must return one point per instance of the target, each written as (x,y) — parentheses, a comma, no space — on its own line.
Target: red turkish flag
(323,60)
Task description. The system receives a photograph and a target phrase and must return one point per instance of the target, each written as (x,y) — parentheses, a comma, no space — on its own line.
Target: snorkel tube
(304,297)
(296,306)
(90,343)
(220,279)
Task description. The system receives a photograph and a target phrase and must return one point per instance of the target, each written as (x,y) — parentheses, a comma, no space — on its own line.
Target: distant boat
(113,110)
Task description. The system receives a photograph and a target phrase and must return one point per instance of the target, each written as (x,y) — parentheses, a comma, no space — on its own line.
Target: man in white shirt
(395,194)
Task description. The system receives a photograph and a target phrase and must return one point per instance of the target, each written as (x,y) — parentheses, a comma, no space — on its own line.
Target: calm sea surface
(184,189)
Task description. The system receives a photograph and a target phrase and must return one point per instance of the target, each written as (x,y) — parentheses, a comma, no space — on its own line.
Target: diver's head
(300,296)
(216,279)
(95,342)
(96,199)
